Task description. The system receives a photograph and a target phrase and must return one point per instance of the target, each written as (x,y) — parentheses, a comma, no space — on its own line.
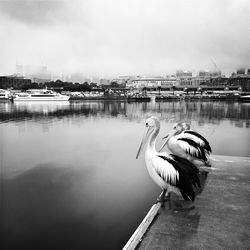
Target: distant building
(152,82)
(206,77)
(77,77)
(184,78)
(36,74)
(14,81)
(123,80)
(40,80)
(241,80)
(19,70)
(104,81)
(240,71)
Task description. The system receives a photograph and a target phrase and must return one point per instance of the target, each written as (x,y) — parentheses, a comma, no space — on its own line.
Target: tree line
(69,86)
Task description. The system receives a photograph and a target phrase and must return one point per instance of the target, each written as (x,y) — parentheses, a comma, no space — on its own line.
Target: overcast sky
(124,37)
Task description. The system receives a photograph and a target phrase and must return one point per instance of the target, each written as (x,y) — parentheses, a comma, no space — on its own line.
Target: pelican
(188,144)
(170,172)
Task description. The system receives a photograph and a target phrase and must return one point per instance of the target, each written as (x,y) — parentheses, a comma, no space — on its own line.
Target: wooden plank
(135,239)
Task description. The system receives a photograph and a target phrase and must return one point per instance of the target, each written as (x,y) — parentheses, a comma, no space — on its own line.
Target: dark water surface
(69,178)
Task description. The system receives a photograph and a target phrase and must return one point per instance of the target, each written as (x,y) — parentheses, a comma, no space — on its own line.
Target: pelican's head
(152,127)
(177,129)
(185,126)
(153,123)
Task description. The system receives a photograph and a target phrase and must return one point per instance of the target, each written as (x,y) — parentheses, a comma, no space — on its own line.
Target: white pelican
(188,144)
(170,172)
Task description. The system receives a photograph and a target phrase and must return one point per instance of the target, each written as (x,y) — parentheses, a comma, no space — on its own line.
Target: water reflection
(62,207)
(202,112)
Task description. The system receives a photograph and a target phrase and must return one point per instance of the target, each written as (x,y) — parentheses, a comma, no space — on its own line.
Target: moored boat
(40,95)
(5,95)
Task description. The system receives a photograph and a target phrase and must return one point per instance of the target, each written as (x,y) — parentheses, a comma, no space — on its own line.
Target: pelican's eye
(146,124)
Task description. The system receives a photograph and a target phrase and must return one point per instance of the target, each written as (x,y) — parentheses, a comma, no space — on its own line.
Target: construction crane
(215,65)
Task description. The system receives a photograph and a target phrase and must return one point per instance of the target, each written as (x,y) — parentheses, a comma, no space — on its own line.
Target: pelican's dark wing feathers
(205,143)
(188,179)
(194,149)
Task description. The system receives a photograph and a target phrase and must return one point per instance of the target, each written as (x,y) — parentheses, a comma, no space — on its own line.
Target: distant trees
(69,86)
(78,87)
(93,85)
(32,85)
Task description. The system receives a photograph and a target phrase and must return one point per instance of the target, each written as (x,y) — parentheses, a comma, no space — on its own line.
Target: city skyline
(113,38)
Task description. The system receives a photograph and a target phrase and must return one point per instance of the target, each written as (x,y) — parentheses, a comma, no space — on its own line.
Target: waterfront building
(13,81)
(152,82)
(123,80)
(240,79)
(204,77)
(184,78)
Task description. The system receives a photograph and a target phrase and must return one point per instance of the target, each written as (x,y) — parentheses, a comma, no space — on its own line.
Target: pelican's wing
(165,169)
(191,147)
(198,138)
(188,175)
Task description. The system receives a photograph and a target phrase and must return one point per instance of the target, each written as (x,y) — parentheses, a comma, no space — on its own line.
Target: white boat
(40,95)
(5,95)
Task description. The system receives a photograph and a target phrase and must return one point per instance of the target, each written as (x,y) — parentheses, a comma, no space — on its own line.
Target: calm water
(69,178)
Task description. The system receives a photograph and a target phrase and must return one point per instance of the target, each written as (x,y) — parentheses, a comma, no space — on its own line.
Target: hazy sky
(124,37)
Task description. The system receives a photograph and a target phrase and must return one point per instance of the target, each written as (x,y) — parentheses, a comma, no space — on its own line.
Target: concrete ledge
(219,219)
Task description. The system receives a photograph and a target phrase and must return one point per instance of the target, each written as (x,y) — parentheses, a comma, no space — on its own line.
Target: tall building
(184,78)
(19,70)
(37,74)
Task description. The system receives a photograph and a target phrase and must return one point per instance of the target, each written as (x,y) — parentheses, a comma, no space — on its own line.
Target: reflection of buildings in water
(239,124)
(192,111)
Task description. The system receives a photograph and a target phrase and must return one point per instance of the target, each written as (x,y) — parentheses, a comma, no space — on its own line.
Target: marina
(50,95)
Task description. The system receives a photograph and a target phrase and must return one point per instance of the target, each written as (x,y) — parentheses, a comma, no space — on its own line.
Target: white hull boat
(40,95)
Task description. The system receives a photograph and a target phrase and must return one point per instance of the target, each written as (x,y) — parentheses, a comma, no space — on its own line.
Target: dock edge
(137,236)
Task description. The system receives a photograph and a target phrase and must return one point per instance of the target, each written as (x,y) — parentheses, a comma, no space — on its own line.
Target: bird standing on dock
(188,144)
(171,172)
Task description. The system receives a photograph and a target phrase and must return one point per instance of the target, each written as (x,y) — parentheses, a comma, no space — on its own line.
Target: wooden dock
(218,219)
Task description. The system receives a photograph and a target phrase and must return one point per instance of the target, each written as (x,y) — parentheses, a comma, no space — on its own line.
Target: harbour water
(69,177)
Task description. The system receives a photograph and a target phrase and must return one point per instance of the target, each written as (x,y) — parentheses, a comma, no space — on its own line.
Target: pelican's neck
(152,139)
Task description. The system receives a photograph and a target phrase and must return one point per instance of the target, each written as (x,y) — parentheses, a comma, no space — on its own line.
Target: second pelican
(188,144)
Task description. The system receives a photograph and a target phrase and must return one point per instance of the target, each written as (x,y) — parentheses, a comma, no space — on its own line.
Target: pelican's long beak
(143,142)
(165,142)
